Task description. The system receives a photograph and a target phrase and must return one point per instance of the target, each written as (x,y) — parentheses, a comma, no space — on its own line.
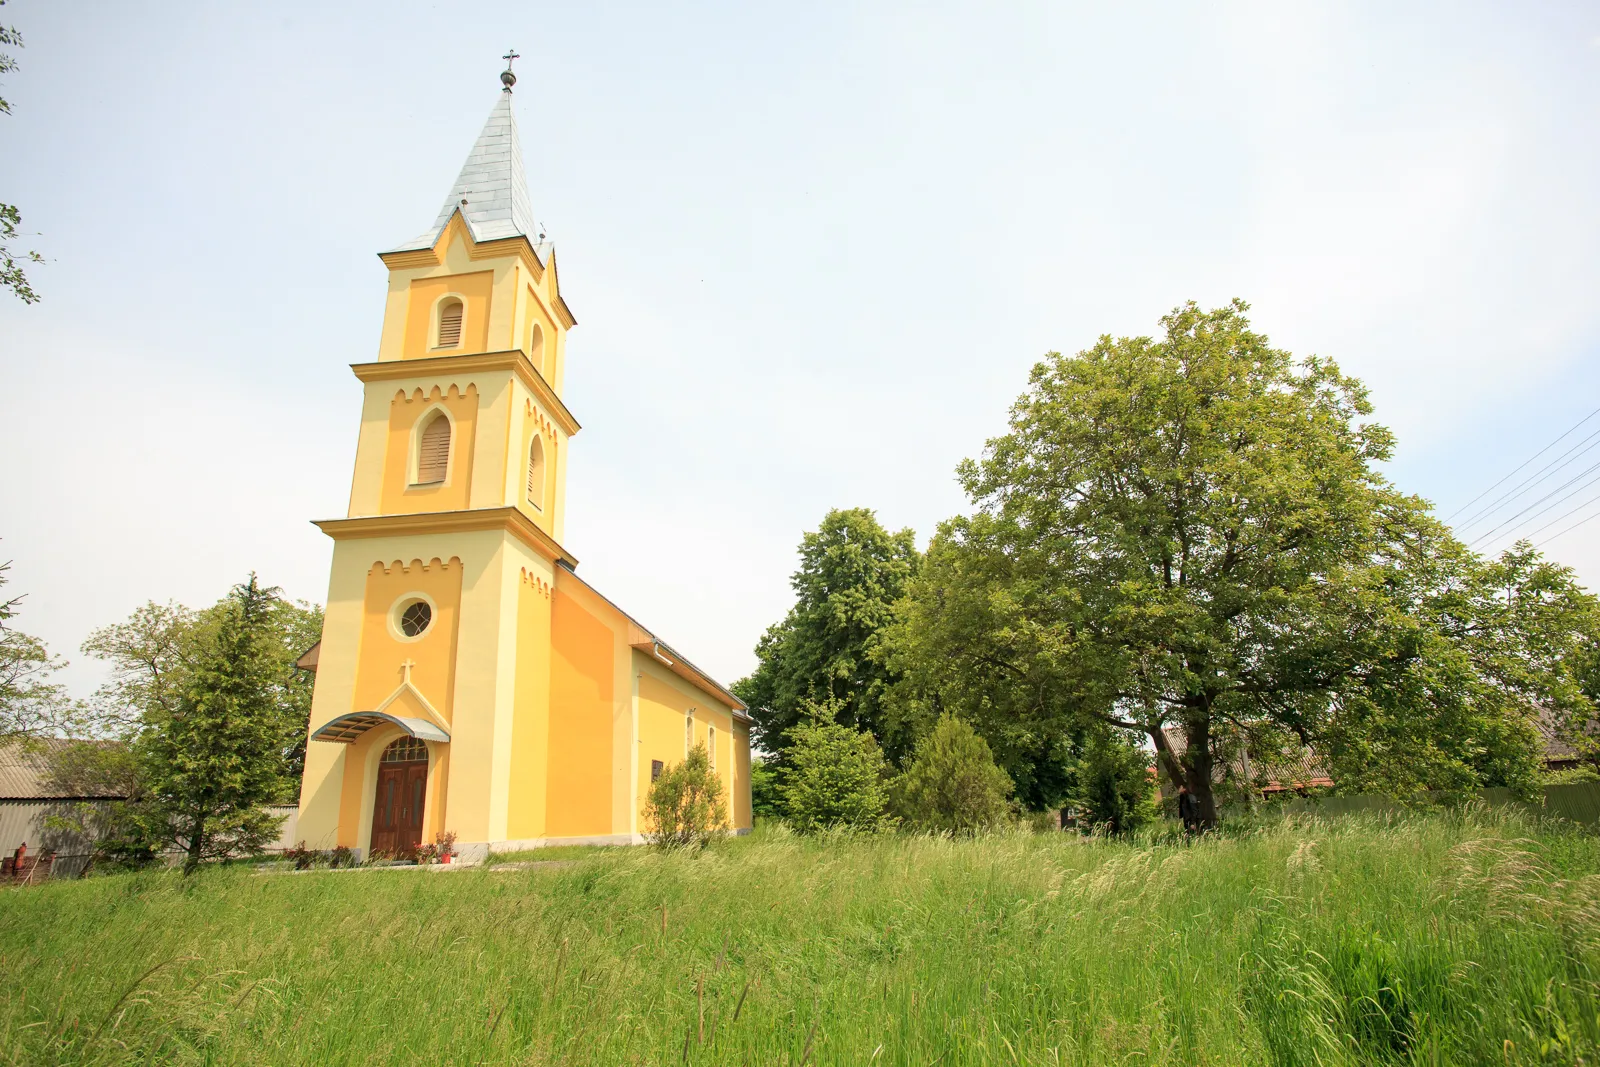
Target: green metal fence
(1575,803)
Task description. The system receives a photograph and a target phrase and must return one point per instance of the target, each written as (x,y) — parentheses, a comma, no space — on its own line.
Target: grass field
(1439,939)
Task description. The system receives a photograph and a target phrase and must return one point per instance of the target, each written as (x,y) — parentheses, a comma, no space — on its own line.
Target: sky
(813,252)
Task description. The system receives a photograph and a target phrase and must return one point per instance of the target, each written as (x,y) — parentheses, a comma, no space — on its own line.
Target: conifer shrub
(952,785)
(1114,792)
(836,778)
(686,808)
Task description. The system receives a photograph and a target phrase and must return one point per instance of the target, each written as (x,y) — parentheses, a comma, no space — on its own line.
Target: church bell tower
(456,505)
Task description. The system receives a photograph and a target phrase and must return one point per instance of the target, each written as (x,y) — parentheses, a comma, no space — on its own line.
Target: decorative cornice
(514,360)
(510,520)
(499,248)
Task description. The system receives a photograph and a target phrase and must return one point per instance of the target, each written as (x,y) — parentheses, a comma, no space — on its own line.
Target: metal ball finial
(507,78)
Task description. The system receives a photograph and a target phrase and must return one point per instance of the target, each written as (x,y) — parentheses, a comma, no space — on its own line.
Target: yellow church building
(467,679)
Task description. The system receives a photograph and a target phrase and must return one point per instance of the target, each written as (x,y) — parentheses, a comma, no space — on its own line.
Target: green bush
(1569,776)
(766,798)
(952,784)
(1114,792)
(836,778)
(686,807)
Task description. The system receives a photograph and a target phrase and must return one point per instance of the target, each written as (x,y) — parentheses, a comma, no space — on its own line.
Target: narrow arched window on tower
(536,472)
(688,733)
(536,345)
(433,450)
(450,313)
(711,744)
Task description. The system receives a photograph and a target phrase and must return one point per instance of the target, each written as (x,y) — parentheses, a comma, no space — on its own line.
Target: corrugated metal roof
(491,192)
(25,770)
(1274,771)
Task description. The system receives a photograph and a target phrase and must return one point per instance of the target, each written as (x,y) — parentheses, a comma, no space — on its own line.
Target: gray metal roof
(28,773)
(492,190)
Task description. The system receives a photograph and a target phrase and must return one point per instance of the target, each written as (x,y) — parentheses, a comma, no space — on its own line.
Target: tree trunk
(1197,758)
(196,849)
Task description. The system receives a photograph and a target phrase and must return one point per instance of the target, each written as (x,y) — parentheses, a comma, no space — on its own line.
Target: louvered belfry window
(433,457)
(536,473)
(450,324)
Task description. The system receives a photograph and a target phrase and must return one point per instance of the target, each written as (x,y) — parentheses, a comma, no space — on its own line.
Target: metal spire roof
(492,190)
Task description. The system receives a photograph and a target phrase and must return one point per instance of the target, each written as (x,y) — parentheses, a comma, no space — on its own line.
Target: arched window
(688,733)
(450,313)
(711,733)
(405,750)
(536,345)
(433,450)
(536,472)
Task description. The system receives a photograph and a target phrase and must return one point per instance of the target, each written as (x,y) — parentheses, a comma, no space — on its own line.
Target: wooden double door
(397,809)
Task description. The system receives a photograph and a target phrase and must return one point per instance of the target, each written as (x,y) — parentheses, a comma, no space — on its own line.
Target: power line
(1489,535)
(1535,478)
(1519,466)
(1569,529)
(1566,515)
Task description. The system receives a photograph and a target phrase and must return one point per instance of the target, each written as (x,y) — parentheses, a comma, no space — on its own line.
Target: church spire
(491,192)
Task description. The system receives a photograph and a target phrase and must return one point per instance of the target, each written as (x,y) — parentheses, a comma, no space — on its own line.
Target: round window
(416,618)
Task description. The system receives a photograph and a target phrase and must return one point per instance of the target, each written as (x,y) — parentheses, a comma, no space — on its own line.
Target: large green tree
(214,762)
(155,653)
(825,650)
(1191,532)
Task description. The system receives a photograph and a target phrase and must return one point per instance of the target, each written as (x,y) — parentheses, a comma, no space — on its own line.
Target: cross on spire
(507,78)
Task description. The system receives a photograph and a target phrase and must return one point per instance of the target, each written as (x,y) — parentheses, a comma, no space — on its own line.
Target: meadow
(1440,939)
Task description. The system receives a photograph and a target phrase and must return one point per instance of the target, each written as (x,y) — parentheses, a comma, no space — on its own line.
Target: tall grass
(1379,940)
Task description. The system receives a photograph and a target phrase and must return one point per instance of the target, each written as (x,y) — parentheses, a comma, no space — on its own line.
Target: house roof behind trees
(1273,772)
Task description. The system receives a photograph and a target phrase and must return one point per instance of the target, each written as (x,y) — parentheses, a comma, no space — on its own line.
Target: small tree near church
(216,760)
(686,807)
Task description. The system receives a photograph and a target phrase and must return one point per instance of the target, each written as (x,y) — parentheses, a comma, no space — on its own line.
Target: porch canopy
(347,729)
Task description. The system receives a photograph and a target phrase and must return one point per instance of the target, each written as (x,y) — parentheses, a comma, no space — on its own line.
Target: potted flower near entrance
(443,849)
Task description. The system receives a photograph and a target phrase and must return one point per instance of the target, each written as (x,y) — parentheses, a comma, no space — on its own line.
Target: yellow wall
(582,701)
(384,648)
(406,412)
(475,290)
(665,702)
(530,731)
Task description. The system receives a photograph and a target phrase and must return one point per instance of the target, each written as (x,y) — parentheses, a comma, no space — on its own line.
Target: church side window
(450,313)
(433,452)
(536,345)
(536,472)
(712,744)
(688,733)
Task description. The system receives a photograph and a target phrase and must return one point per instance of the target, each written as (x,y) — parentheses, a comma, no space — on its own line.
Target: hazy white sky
(813,252)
